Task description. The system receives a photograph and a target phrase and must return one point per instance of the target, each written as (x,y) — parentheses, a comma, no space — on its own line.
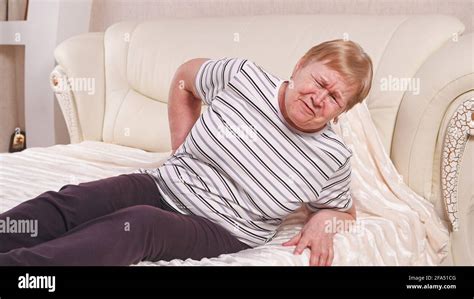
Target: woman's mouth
(307,108)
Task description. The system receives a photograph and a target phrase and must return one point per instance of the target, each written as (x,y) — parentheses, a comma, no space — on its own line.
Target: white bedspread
(395,226)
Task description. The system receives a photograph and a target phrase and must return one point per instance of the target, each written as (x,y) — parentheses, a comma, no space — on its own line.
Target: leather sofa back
(141,58)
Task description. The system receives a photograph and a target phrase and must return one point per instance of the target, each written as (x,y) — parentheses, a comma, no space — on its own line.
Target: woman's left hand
(318,236)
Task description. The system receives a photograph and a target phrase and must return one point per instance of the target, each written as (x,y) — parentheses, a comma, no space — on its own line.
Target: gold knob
(55,81)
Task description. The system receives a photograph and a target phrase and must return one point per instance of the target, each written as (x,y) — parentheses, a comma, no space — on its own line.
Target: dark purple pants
(120,220)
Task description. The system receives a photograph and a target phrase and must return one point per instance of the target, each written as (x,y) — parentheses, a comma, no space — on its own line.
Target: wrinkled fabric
(395,226)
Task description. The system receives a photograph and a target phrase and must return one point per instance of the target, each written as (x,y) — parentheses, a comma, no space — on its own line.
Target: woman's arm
(352,211)
(184,104)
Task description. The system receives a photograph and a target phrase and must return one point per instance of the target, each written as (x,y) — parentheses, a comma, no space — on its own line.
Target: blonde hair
(349,60)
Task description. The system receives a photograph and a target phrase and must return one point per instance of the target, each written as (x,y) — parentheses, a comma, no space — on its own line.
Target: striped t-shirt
(243,166)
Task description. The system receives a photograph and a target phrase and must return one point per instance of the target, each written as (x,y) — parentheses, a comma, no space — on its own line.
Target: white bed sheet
(396,227)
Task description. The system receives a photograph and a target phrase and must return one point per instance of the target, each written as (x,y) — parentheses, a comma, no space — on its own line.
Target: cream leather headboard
(141,58)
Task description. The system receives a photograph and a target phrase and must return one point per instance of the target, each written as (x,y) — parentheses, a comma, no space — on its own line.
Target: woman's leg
(128,236)
(55,213)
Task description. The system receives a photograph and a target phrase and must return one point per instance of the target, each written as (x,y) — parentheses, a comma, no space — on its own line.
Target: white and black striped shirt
(243,166)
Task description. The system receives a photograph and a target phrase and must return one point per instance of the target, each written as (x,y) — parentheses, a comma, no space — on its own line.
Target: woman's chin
(303,122)
(301,119)
(300,123)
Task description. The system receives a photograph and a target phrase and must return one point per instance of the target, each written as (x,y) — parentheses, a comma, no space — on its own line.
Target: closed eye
(333,98)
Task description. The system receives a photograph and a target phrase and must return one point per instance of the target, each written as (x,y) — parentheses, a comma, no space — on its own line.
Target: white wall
(107,12)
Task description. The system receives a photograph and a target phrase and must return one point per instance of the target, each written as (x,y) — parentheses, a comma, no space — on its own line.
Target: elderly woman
(262,148)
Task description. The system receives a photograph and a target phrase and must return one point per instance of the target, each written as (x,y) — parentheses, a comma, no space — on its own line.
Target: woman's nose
(319,97)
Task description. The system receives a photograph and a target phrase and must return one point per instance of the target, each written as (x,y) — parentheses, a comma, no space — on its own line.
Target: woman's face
(315,95)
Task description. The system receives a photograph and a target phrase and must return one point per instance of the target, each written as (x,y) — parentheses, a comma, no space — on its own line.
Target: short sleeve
(214,76)
(336,193)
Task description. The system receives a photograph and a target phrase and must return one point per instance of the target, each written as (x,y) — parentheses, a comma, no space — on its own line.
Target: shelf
(49,23)
(9,31)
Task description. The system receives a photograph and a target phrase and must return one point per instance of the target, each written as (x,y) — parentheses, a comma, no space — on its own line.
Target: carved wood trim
(459,128)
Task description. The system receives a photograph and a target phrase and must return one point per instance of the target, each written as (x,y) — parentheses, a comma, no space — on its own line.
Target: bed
(404,232)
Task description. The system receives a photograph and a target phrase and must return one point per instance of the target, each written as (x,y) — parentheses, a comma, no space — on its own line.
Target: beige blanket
(397,221)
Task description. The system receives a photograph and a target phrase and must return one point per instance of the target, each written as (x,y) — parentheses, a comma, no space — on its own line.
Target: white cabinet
(49,22)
